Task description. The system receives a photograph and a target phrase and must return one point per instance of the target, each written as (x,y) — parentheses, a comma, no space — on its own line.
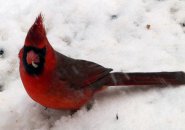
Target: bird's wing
(80,73)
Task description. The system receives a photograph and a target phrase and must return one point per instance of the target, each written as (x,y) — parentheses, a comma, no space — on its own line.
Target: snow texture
(126,35)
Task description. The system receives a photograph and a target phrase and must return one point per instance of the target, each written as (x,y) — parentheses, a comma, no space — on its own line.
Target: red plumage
(57,81)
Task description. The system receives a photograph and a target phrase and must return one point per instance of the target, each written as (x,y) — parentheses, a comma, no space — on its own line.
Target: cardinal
(60,82)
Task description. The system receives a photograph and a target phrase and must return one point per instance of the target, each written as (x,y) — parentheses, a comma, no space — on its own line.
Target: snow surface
(112,33)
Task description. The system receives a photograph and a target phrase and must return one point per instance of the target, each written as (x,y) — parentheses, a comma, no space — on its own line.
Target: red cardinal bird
(57,81)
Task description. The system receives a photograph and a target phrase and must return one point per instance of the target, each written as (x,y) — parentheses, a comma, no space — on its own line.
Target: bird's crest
(36,36)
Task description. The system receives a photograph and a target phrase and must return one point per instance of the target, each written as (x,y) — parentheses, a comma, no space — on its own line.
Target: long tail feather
(153,78)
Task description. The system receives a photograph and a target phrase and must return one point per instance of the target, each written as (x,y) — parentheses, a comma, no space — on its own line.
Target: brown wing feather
(79,73)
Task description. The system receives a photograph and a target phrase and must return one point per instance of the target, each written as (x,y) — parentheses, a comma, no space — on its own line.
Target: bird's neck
(50,59)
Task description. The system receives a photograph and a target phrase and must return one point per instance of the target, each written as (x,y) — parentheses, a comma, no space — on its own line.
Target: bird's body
(63,86)
(57,81)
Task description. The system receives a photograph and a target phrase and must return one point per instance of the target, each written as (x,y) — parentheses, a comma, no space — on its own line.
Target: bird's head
(36,36)
(35,47)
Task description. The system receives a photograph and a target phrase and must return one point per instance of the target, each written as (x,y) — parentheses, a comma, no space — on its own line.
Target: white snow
(112,33)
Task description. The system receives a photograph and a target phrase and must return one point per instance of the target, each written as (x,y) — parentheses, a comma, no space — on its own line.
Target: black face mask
(29,68)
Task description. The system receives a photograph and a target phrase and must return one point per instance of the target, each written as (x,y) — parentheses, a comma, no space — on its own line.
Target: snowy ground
(112,33)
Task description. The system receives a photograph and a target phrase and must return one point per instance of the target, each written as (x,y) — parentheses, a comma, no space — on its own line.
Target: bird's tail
(153,78)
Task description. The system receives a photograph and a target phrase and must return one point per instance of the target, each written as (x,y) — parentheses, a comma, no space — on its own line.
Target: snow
(112,33)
